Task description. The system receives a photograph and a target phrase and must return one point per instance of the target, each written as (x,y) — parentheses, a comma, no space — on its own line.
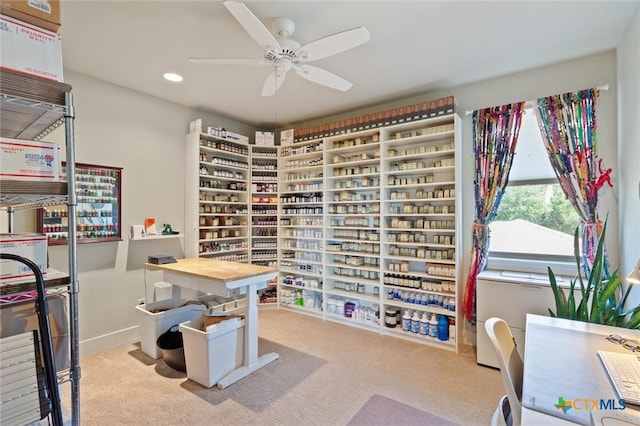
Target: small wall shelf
(156,237)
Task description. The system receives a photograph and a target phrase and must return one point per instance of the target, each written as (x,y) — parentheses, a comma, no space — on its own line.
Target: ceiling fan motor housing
(284,27)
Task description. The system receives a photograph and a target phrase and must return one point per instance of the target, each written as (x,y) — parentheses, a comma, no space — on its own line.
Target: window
(535,224)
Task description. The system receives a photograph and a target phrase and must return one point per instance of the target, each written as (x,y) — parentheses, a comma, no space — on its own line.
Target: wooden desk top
(212,268)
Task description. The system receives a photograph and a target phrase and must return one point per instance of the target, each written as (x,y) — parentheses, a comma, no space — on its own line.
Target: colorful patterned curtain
(568,125)
(495,135)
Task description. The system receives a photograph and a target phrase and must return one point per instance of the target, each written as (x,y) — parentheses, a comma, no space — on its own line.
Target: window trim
(537,264)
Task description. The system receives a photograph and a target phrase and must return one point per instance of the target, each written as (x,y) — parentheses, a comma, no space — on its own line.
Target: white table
(218,277)
(561,360)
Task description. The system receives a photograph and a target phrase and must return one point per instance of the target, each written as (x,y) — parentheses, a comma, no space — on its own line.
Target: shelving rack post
(74,287)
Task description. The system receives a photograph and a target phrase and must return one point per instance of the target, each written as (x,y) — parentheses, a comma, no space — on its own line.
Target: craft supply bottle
(390,319)
(443,328)
(415,322)
(406,321)
(433,326)
(452,329)
(424,324)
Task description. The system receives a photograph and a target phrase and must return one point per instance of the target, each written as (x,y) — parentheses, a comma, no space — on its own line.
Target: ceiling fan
(285,54)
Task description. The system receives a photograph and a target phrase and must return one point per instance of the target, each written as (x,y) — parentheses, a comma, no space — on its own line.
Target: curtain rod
(530,104)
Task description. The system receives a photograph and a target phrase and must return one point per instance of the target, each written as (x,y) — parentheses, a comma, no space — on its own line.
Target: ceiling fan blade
(252,25)
(228,61)
(273,82)
(333,44)
(320,76)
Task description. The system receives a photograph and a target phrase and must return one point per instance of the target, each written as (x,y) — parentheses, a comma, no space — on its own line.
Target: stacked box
(41,13)
(30,160)
(30,49)
(30,246)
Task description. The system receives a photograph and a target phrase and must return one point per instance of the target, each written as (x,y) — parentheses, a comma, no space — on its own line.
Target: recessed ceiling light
(173,77)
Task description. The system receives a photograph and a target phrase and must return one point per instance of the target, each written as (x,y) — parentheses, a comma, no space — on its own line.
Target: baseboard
(109,340)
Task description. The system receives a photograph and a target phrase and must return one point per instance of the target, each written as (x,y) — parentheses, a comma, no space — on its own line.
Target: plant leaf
(634,321)
(596,277)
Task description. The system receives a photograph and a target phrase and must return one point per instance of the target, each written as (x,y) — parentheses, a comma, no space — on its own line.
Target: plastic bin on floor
(152,325)
(213,354)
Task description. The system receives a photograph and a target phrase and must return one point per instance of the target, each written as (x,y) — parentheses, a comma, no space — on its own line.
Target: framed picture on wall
(98,211)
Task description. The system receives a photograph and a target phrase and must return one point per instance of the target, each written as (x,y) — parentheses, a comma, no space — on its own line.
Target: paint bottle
(443,328)
(415,322)
(406,320)
(424,324)
(433,326)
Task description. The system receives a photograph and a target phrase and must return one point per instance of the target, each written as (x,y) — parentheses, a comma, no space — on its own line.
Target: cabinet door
(98,196)
(512,301)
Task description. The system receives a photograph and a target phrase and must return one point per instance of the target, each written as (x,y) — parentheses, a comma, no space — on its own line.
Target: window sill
(531,266)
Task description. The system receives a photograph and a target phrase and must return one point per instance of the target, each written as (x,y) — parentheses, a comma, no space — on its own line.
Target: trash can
(152,324)
(210,355)
(171,347)
(162,291)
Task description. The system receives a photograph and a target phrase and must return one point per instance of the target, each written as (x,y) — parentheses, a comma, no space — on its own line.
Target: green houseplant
(603,298)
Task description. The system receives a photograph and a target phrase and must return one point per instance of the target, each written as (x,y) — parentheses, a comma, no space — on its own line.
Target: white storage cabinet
(511,296)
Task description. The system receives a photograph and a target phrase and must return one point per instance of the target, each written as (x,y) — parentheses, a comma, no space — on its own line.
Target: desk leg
(251,360)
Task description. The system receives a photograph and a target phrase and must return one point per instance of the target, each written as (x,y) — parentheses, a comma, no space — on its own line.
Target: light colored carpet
(325,374)
(380,411)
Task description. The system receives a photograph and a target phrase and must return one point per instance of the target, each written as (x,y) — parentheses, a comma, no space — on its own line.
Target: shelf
(156,237)
(353,322)
(52,279)
(31,194)
(398,332)
(309,311)
(372,298)
(30,107)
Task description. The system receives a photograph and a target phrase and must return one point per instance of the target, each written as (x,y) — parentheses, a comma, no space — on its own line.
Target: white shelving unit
(300,234)
(388,200)
(216,198)
(421,223)
(352,229)
(264,215)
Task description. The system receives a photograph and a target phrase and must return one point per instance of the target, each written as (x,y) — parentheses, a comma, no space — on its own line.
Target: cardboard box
(259,138)
(286,137)
(30,246)
(269,138)
(265,139)
(236,137)
(29,49)
(30,160)
(41,13)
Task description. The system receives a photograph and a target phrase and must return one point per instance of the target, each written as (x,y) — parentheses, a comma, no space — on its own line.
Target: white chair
(502,415)
(511,367)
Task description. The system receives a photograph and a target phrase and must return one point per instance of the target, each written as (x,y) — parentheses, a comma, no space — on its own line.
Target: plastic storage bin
(211,355)
(153,325)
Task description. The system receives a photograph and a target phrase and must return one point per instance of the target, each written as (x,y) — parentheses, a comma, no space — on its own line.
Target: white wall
(629,149)
(145,136)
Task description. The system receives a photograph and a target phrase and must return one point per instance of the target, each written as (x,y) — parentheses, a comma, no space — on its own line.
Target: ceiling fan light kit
(284,54)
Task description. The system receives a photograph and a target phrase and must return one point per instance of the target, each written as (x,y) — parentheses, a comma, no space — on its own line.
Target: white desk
(561,360)
(218,277)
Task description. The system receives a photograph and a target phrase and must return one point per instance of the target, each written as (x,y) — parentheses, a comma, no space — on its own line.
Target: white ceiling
(415,47)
